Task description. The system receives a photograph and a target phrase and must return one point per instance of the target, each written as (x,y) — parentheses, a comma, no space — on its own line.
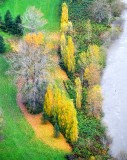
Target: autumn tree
(33,19)
(64,18)
(63,112)
(92,74)
(92,55)
(69,55)
(78,87)
(63,43)
(48,101)
(32,63)
(94,101)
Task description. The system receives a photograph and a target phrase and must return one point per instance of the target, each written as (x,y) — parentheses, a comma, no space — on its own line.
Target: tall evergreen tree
(18,29)
(8,22)
(2,25)
(2,45)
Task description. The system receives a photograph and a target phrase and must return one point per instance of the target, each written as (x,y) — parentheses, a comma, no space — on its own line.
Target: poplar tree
(69,55)
(62,110)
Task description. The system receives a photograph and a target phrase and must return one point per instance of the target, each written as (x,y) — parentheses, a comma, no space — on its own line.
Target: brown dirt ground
(44,132)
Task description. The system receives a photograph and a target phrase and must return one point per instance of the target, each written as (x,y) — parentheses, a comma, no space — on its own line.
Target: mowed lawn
(20,142)
(50,8)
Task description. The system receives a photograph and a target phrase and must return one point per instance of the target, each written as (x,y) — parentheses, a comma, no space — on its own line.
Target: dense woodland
(74,105)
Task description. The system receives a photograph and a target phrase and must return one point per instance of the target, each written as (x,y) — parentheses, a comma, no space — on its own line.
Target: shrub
(100,11)
(117,7)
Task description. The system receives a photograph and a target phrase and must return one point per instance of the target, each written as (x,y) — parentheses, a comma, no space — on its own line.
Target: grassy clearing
(50,8)
(20,141)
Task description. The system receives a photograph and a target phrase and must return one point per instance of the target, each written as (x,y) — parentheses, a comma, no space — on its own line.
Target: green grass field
(50,8)
(20,142)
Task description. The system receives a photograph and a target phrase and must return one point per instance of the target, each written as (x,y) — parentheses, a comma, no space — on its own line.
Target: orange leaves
(35,39)
(62,109)
(94,100)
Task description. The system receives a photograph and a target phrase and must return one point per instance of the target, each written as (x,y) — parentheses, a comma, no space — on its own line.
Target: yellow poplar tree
(94,53)
(64,18)
(78,86)
(62,42)
(48,105)
(69,55)
(63,111)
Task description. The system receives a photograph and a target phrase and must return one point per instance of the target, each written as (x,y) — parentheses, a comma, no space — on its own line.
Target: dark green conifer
(2,45)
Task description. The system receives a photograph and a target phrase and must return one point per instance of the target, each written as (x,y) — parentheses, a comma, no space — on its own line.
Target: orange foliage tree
(63,111)
(35,39)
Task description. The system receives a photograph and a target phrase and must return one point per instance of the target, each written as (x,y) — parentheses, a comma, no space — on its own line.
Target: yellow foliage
(68,55)
(78,86)
(48,105)
(83,60)
(71,46)
(92,158)
(64,16)
(63,110)
(14,46)
(94,100)
(94,53)
(92,74)
(64,27)
(63,42)
(35,39)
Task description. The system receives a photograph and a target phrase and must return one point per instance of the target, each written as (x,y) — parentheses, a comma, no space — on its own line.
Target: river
(114,89)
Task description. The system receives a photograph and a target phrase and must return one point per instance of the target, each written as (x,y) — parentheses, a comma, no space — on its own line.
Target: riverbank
(114,84)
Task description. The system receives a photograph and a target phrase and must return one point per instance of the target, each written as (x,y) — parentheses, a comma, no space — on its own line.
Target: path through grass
(20,142)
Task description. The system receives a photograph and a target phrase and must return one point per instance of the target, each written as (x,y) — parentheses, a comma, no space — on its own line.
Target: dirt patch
(44,132)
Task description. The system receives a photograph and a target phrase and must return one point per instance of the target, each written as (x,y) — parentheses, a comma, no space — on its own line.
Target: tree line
(11,25)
